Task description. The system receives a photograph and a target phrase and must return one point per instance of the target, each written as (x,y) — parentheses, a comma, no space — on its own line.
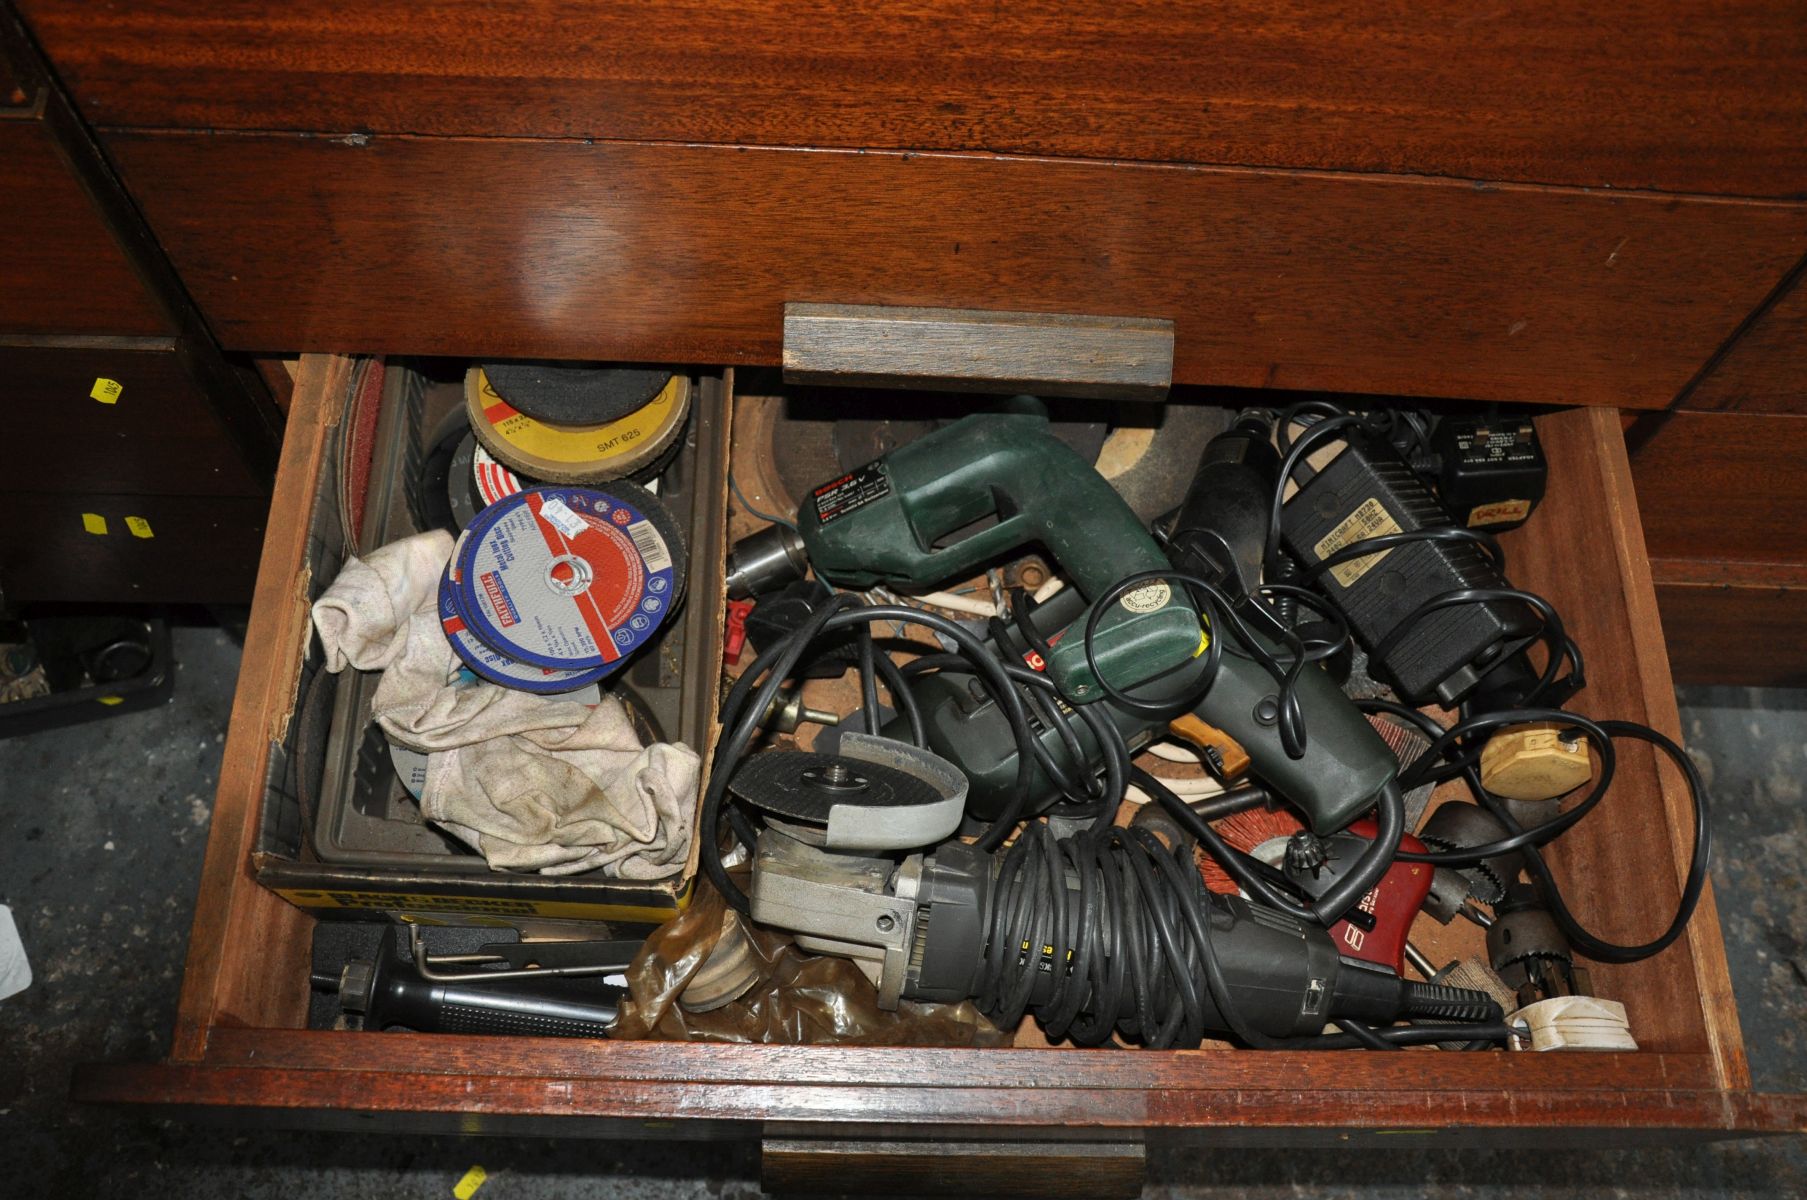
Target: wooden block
(1049,354)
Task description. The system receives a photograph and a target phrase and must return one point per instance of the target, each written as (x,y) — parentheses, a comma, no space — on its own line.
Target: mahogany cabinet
(1536,203)
(138,461)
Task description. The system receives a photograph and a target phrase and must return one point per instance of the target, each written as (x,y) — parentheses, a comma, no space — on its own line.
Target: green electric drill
(881,524)
(890,522)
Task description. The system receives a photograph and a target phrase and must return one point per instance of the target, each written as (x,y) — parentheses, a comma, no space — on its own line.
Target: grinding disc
(434,498)
(492,480)
(569,578)
(576,453)
(575,394)
(461,492)
(499,668)
(805,786)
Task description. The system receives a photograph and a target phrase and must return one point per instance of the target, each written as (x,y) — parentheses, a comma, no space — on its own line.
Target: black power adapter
(1367,490)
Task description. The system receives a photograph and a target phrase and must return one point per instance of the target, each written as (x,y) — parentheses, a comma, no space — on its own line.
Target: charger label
(1370,519)
(852,491)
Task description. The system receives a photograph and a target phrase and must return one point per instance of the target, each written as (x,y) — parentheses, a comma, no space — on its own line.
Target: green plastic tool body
(888,523)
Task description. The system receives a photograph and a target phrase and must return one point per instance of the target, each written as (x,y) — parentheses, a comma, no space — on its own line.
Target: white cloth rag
(533,783)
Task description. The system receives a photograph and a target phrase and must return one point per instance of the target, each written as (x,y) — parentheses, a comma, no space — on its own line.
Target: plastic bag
(798,998)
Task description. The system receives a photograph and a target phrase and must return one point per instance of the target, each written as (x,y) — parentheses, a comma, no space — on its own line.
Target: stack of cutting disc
(577,424)
(554,587)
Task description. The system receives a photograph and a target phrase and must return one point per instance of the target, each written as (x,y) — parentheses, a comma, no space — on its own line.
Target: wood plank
(1765,370)
(898,1067)
(1722,487)
(665,1109)
(1584,551)
(1684,95)
(60,270)
(973,350)
(1303,280)
(1734,623)
(249,950)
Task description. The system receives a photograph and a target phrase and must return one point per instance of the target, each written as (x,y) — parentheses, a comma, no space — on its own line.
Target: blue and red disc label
(564,578)
(486,663)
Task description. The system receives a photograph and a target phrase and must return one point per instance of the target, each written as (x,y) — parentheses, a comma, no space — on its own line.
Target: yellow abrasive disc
(576,453)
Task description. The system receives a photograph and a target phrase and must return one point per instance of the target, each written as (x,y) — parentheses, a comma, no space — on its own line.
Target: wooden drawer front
(1722,487)
(689,253)
(73,431)
(1686,96)
(239,1040)
(115,549)
(1724,499)
(60,269)
(1765,369)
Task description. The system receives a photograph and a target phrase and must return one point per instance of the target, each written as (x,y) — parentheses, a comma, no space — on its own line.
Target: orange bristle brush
(1244,830)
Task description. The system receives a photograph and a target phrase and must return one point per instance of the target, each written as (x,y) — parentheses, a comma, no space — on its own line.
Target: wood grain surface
(249,950)
(1298,1095)
(1765,369)
(1682,95)
(60,270)
(201,549)
(156,435)
(1722,487)
(1584,551)
(1734,623)
(689,253)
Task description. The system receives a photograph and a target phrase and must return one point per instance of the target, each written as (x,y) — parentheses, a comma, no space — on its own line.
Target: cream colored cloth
(534,783)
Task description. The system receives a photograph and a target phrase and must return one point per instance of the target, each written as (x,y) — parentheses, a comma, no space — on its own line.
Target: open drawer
(240,1041)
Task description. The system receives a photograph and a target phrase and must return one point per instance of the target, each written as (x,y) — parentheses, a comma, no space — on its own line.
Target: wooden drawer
(102,548)
(239,1041)
(61,271)
(1723,497)
(101,417)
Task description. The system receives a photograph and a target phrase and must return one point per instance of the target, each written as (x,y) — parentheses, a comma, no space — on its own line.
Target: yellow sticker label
(139,527)
(106,390)
(467,1187)
(110,701)
(573,445)
(1498,512)
(95,523)
(1370,519)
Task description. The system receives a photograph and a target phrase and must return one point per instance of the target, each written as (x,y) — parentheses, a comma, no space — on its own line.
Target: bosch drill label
(1370,519)
(852,491)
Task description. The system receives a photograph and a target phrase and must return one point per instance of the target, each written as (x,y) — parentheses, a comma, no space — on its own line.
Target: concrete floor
(104,830)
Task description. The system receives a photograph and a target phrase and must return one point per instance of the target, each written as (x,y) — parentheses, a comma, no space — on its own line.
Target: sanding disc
(486,663)
(575,394)
(576,453)
(569,578)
